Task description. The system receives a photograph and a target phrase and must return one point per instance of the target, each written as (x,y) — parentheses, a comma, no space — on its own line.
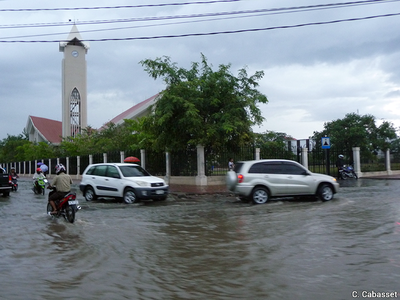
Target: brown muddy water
(204,247)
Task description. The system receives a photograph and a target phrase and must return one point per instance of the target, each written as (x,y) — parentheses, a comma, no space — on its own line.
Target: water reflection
(204,248)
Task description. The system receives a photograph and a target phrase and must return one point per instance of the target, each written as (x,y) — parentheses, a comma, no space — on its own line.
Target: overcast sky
(314,73)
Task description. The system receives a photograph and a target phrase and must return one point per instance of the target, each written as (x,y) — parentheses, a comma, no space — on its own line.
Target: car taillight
(240,178)
(9,179)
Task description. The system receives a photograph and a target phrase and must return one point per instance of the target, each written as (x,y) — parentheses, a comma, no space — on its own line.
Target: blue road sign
(326,143)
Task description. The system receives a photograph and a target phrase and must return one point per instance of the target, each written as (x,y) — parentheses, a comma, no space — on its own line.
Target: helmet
(341,156)
(38,170)
(59,168)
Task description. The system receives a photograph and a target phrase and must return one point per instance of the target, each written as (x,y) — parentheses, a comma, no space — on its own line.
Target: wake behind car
(126,181)
(260,180)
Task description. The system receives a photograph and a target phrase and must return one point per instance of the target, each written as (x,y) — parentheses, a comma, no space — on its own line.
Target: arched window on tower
(75,112)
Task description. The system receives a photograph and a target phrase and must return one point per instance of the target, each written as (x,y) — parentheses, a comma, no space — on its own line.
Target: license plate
(159,192)
(73,202)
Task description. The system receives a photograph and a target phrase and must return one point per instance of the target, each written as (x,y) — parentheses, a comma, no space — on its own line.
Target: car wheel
(90,194)
(260,195)
(129,196)
(325,192)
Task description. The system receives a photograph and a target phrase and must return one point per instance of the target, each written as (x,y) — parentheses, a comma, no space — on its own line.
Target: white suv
(259,180)
(129,182)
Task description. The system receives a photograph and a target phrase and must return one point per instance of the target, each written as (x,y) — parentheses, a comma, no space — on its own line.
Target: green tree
(273,143)
(202,106)
(11,148)
(82,144)
(358,131)
(271,136)
(111,137)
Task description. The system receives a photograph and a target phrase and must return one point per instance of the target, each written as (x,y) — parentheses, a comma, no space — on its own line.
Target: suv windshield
(133,171)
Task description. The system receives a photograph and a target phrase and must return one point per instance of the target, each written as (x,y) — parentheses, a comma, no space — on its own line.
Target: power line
(115,7)
(267,10)
(217,32)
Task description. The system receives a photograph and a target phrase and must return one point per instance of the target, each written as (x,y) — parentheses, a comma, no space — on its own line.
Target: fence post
(356,160)
(304,157)
(257,154)
(78,166)
(104,157)
(201,178)
(143,158)
(67,162)
(387,162)
(122,156)
(90,159)
(167,167)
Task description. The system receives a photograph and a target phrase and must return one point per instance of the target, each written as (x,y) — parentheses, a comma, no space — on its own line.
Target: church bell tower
(74,86)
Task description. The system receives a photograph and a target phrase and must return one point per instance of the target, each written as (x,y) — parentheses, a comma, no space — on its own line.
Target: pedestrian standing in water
(231,165)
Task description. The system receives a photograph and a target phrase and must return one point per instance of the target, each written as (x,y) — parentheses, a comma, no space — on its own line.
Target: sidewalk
(386,177)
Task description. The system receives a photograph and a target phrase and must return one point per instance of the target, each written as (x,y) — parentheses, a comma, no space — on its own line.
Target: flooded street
(213,247)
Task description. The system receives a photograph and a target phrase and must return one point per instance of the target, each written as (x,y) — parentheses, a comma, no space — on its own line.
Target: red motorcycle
(66,207)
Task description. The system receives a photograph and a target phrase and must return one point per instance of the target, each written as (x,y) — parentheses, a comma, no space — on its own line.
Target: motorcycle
(14,183)
(40,187)
(66,207)
(347,172)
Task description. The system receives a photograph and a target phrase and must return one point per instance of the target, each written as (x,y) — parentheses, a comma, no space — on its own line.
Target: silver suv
(259,180)
(129,182)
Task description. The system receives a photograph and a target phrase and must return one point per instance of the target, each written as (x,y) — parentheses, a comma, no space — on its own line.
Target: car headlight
(143,183)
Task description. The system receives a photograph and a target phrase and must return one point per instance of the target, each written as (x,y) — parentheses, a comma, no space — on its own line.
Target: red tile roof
(51,130)
(133,111)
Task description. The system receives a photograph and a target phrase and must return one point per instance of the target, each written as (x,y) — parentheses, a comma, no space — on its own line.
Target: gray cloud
(313,74)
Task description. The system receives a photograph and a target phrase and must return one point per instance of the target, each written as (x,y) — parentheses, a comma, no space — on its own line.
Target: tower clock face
(75,53)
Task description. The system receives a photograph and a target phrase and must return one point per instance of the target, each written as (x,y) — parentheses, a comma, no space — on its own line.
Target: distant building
(135,112)
(74,98)
(43,130)
(74,84)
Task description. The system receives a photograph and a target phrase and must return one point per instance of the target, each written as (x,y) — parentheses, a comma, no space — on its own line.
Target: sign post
(326,144)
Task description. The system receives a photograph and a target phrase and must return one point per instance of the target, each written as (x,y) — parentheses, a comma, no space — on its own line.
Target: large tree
(355,130)
(203,106)
(11,148)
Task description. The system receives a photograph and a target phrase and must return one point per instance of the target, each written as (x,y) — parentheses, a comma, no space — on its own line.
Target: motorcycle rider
(339,164)
(13,173)
(14,176)
(61,186)
(38,175)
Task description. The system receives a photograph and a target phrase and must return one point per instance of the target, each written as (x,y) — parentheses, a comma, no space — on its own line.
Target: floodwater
(213,247)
